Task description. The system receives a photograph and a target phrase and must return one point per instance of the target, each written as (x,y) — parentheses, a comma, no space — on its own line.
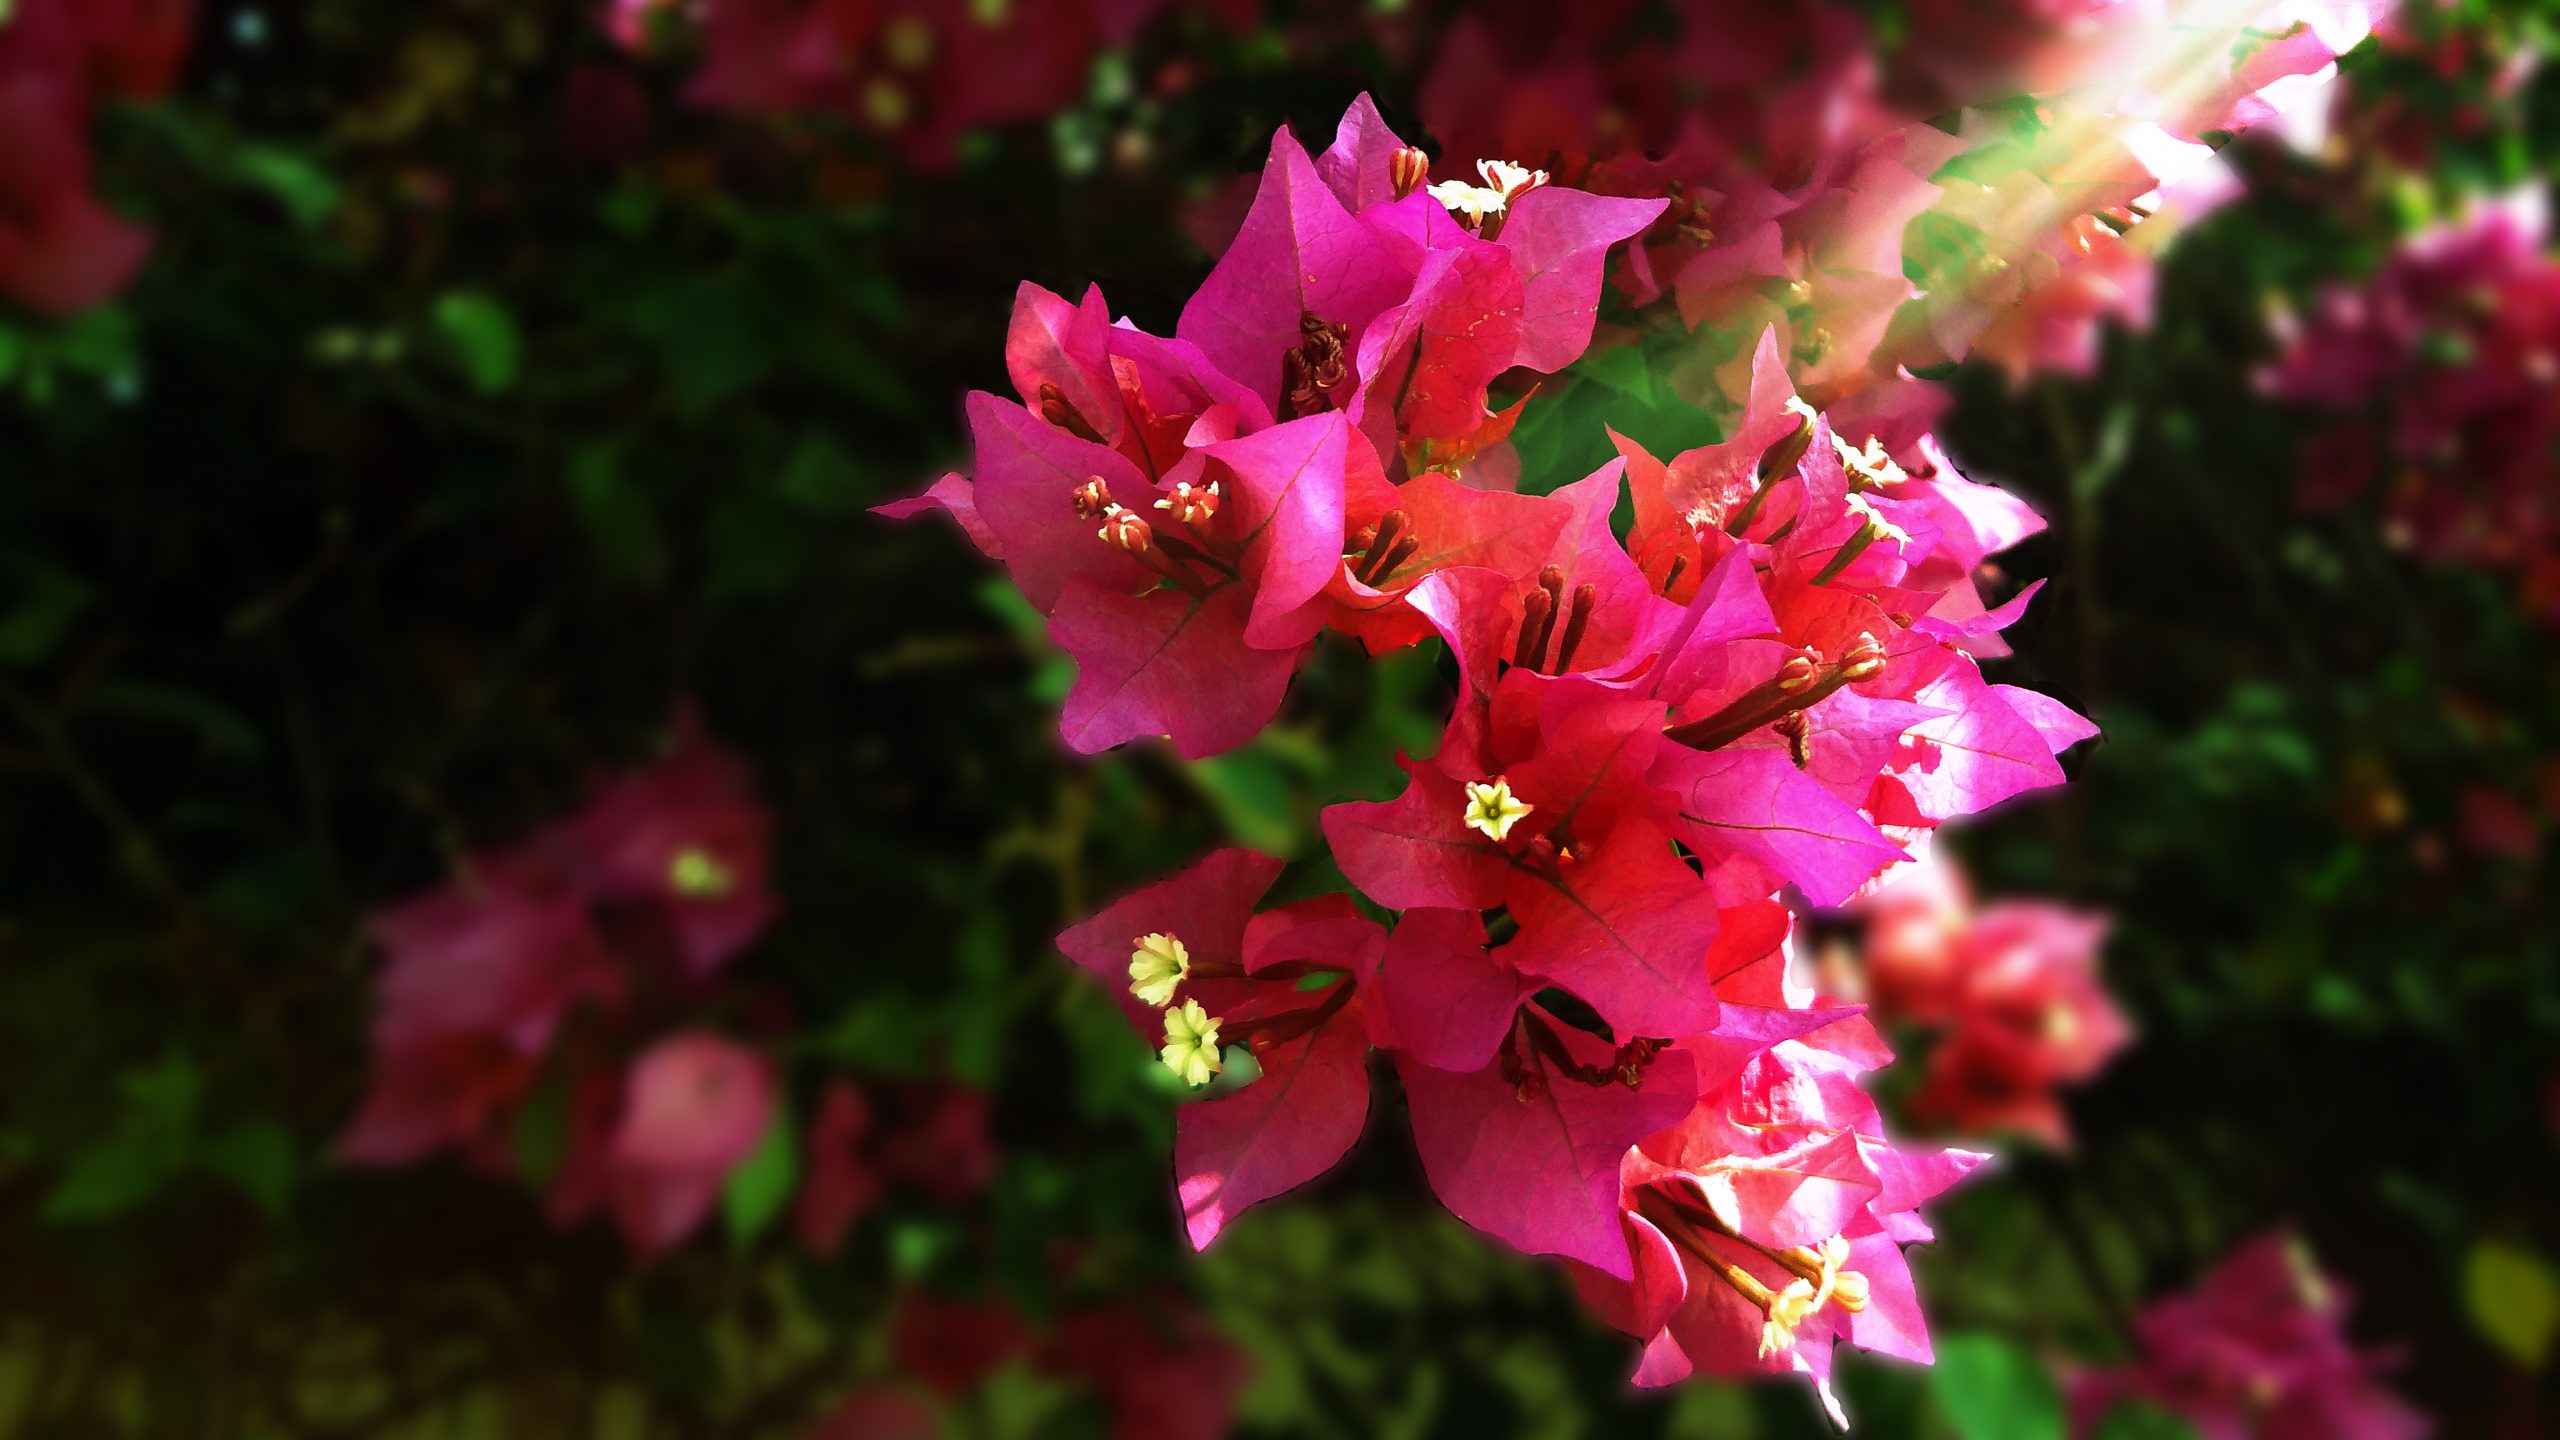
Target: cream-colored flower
(1493,809)
(1158,965)
(1191,1044)
(1471,203)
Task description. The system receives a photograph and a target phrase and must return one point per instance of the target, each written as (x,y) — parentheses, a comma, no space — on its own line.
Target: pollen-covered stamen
(1191,504)
(1158,964)
(1408,170)
(1191,1044)
(1586,598)
(1493,809)
(1058,410)
(1315,367)
(1092,499)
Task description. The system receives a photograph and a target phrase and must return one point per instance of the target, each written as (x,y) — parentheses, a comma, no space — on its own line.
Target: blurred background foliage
(482,400)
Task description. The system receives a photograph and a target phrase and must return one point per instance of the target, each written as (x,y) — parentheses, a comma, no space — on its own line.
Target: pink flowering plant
(1570,928)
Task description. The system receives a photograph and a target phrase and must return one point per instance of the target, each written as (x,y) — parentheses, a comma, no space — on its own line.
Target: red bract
(2257,1351)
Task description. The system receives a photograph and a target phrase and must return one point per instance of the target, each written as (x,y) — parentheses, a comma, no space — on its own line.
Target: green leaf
(484,339)
(257,1157)
(297,182)
(539,1134)
(151,1142)
(761,1186)
(620,515)
(820,477)
(1990,1389)
(2513,1299)
(43,601)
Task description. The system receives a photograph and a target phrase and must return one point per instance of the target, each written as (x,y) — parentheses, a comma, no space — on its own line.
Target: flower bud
(1863,660)
(1408,169)
(1796,674)
(1092,499)
(1127,529)
(1192,504)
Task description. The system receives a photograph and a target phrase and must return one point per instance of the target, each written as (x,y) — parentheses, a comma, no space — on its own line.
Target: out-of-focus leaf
(619,514)
(538,1136)
(307,193)
(222,729)
(2513,1299)
(1254,796)
(44,600)
(820,477)
(483,336)
(1991,1389)
(760,1187)
(150,1144)
(258,1159)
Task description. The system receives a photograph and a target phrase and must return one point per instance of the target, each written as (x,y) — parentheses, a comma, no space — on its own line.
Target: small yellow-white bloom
(1508,180)
(1159,964)
(696,874)
(1471,203)
(1191,1043)
(1869,462)
(1493,809)
(1788,1309)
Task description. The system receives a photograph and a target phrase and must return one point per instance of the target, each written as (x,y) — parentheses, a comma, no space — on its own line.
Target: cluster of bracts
(1588,990)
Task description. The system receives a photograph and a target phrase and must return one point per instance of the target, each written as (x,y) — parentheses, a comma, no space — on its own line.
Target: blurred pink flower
(2257,1351)
(694,1105)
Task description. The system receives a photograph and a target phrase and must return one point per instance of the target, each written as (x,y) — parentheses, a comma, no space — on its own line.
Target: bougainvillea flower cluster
(2257,1351)
(554,988)
(2439,387)
(2011,988)
(1660,743)
(61,249)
